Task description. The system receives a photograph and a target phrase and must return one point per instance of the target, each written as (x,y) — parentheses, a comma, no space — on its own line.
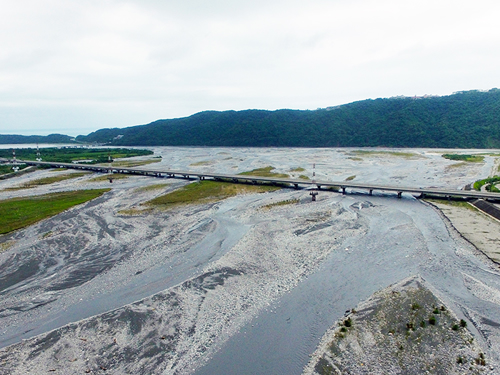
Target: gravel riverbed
(237,285)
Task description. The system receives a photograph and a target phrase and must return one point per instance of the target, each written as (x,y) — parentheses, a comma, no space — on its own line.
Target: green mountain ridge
(24,139)
(466,119)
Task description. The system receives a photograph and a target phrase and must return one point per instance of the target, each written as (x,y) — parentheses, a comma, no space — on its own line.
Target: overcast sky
(73,67)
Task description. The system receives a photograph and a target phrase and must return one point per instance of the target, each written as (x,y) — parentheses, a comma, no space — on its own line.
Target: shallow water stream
(232,287)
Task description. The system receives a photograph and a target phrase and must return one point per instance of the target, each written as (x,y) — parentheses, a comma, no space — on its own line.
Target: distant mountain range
(467,119)
(23,139)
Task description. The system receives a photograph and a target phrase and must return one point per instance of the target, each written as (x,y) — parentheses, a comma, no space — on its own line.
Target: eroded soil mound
(404,329)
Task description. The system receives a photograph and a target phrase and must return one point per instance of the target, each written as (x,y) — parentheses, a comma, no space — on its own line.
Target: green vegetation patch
(281,203)
(134,163)
(151,187)
(264,172)
(201,163)
(70,154)
(455,166)
(6,245)
(6,169)
(299,169)
(406,323)
(463,204)
(492,188)
(206,191)
(464,157)
(47,181)
(304,177)
(58,169)
(107,176)
(399,154)
(350,178)
(491,181)
(18,213)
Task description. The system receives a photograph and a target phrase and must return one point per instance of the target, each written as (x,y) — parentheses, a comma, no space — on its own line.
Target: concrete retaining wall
(489,208)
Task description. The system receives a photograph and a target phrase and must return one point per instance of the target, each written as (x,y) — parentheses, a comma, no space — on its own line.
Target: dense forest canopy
(467,119)
(24,139)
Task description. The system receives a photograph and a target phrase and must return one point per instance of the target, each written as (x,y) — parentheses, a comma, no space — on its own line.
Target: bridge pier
(445,194)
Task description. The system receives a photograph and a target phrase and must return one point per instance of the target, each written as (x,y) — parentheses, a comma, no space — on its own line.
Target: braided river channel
(243,285)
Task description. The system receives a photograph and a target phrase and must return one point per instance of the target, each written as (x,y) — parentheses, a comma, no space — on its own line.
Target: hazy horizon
(73,68)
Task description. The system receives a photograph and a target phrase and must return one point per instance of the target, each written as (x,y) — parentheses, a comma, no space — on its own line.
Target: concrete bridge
(296,183)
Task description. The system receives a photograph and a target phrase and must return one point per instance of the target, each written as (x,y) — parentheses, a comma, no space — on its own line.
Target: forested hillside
(23,139)
(469,119)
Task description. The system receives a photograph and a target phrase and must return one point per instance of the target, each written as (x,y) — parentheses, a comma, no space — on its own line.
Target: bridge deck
(343,185)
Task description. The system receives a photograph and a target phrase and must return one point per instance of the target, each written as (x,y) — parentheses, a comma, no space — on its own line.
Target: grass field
(18,213)
(5,169)
(134,163)
(69,154)
(201,163)
(204,192)
(151,187)
(264,172)
(464,157)
(47,181)
(405,155)
(107,176)
(280,203)
(463,204)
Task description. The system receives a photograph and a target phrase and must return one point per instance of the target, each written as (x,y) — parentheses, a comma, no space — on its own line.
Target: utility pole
(313,194)
(38,156)
(110,169)
(15,167)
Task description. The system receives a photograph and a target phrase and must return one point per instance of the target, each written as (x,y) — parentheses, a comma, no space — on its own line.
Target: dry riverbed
(250,284)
